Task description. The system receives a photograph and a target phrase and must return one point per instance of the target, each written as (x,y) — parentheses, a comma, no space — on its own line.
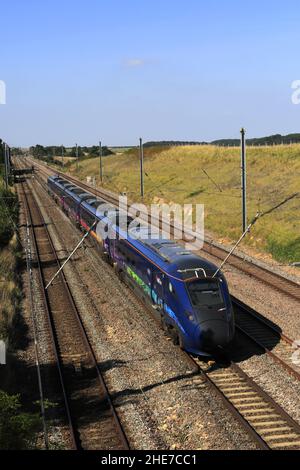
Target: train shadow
(89,406)
(253,338)
(49,263)
(19,377)
(128,395)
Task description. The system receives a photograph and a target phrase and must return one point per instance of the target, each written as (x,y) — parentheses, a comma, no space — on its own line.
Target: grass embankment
(9,253)
(211,175)
(18,428)
(63,160)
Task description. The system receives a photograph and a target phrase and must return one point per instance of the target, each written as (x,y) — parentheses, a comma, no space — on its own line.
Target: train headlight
(190,316)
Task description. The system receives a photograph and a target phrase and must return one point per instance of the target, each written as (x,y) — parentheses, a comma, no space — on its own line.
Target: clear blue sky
(77,71)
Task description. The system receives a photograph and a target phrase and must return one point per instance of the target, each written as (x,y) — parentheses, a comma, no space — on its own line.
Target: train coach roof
(184,264)
(188,266)
(88,204)
(92,204)
(57,181)
(54,178)
(97,202)
(79,192)
(172,257)
(76,189)
(70,189)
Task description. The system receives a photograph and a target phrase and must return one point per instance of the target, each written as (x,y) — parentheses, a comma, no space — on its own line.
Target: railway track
(267,423)
(267,337)
(250,323)
(274,280)
(92,420)
(282,284)
(263,419)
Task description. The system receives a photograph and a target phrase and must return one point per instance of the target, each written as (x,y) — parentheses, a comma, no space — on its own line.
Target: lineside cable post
(142,166)
(8,159)
(100,158)
(244,179)
(5,164)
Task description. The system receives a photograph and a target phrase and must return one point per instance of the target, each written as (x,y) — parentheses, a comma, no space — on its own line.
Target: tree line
(49,152)
(276,139)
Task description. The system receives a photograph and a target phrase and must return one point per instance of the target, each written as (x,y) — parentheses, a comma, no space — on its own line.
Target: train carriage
(194,307)
(73,197)
(193,304)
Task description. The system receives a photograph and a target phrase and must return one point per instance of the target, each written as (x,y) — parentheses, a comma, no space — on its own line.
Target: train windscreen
(205,293)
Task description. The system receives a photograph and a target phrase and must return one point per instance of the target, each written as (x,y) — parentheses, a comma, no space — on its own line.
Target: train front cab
(211,310)
(197,314)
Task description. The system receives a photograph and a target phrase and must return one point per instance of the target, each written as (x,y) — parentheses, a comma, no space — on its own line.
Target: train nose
(214,333)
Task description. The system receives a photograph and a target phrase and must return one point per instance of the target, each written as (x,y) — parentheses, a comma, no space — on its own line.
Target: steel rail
(50,322)
(74,432)
(266,336)
(264,419)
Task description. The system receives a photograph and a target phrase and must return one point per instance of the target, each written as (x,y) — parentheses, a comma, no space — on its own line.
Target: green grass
(178,174)
(8,214)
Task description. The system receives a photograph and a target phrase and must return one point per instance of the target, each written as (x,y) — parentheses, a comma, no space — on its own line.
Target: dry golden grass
(211,175)
(8,286)
(63,159)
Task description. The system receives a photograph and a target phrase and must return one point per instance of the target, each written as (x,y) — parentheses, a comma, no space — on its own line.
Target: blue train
(194,307)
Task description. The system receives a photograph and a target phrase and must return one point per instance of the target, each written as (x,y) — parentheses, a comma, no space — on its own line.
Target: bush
(17,430)
(8,215)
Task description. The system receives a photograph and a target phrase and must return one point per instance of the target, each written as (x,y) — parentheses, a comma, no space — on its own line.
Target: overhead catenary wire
(258,216)
(71,254)
(212,180)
